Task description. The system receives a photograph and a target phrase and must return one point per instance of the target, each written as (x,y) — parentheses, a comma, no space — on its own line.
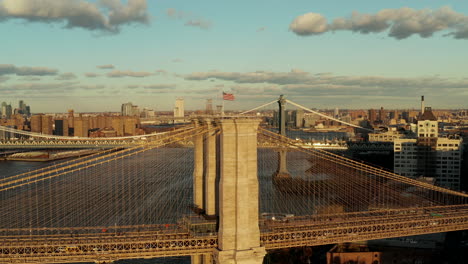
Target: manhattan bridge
(221,189)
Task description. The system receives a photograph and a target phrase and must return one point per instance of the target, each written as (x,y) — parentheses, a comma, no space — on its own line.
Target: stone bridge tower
(226,186)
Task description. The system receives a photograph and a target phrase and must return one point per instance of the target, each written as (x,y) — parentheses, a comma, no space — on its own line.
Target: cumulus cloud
(104,15)
(190,19)
(6,69)
(400,23)
(117,74)
(134,12)
(66,76)
(107,66)
(309,24)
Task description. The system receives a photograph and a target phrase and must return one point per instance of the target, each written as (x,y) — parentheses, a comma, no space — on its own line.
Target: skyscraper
(179,108)
(7,110)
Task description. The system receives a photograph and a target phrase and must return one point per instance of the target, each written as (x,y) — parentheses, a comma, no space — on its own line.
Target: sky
(92,56)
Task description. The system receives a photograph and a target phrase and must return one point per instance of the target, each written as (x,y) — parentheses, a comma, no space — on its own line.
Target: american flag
(228,96)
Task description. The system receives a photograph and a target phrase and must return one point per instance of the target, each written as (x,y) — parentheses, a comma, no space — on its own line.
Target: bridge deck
(177,240)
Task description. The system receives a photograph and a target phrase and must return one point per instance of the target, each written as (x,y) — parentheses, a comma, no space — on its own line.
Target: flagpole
(222,109)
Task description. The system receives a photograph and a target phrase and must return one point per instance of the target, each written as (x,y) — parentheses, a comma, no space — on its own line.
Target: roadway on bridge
(81,245)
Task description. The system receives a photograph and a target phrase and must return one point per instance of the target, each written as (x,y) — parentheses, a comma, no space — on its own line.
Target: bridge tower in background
(282,170)
(232,194)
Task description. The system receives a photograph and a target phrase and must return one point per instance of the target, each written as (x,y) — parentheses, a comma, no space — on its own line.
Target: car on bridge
(284,218)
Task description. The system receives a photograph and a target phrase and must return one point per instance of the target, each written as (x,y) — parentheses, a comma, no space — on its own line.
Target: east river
(157,178)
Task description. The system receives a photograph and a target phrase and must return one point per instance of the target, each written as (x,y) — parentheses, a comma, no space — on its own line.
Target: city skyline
(92,56)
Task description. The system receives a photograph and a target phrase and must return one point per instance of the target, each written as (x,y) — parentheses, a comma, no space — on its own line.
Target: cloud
(104,15)
(91,87)
(190,19)
(160,86)
(309,24)
(208,91)
(400,23)
(66,76)
(41,87)
(294,76)
(201,23)
(297,76)
(300,83)
(161,71)
(107,66)
(6,69)
(261,29)
(134,12)
(91,75)
(177,60)
(118,74)
(30,79)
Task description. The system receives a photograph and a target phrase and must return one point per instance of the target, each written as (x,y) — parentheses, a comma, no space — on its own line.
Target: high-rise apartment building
(118,125)
(61,127)
(101,121)
(130,125)
(81,128)
(179,108)
(382,115)
(47,125)
(372,116)
(429,155)
(299,118)
(129,109)
(71,117)
(36,123)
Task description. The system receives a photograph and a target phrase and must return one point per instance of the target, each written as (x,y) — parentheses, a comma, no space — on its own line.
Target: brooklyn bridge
(223,198)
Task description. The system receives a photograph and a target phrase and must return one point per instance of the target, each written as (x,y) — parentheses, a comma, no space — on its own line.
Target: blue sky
(387,54)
